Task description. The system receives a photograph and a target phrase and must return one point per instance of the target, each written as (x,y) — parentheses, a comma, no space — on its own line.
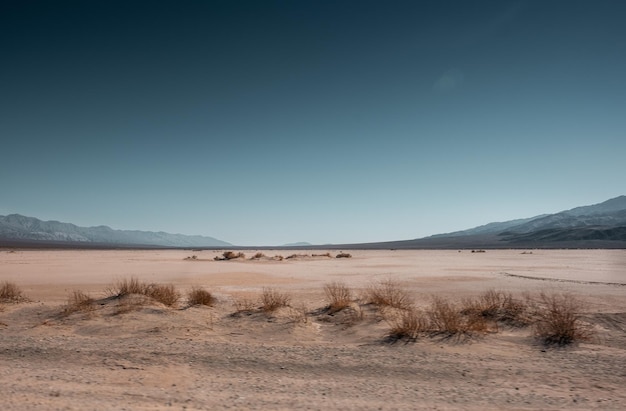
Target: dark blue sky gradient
(267,122)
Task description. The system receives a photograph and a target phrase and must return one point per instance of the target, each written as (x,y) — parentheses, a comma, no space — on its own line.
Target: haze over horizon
(265,123)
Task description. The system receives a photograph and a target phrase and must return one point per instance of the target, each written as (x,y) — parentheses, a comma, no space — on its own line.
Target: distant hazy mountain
(604,217)
(491,228)
(18,228)
(298,244)
(596,226)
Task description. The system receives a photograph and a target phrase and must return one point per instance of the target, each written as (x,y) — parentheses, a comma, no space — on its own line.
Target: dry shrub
(322,255)
(78,301)
(200,296)
(558,320)
(272,299)
(447,319)
(339,296)
(258,256)
(499,306)
(166,294)
(388,293)
(244,306)
(278,257)
(11,293)
(126,287)
(344,255)
(409,324)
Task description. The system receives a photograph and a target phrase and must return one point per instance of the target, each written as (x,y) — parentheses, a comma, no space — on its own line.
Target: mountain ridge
(16,227)
(601,225)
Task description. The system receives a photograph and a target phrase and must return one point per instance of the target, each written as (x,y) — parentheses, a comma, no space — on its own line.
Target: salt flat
(158,357)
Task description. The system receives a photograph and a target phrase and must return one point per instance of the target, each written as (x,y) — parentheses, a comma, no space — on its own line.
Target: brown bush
(558,320)
(258,256)
(244,306)
(126,287)
(78,301)
(447,319)
(339,296)
(11,293)
(499,307)
(409,324)
(200,296)
(344,255)
(388,293)
(272,299)
(165,294)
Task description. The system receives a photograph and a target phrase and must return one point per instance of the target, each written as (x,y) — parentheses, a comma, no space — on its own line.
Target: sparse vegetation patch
(11,293)
(408,324)
(230,255)
(272,299)
(339,296)
(126,287)
(388,293)
(558,320)
(166,294)
(200,296)
(447,319)
(79,301)
(499,307)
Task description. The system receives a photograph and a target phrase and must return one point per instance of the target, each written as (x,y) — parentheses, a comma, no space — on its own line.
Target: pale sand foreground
(205,358)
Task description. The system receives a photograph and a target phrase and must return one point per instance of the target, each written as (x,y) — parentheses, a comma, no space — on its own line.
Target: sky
(272,122)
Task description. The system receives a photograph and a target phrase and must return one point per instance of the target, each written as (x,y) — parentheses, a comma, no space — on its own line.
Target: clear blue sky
(268,122)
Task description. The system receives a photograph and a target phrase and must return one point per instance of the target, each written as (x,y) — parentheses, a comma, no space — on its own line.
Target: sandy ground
(155,357)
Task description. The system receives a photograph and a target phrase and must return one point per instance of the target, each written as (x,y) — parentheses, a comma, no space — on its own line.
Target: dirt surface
(134,354)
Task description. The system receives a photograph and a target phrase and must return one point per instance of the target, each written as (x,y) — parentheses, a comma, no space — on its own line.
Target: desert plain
(150,356)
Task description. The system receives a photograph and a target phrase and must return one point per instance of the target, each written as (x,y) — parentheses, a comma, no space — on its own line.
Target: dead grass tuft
(11,293)
(558,320)
(388,293)
(126,287)
(409,324)
(272,299)
(344,255)
(447,319)
(258,256)
(200,296)
(339,296)
(442,318)
(166,294)
(79,301)
(499,307)
(244,306)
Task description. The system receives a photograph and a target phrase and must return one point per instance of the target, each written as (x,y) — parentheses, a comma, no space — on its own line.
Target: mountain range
(18,230)
(600,225)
